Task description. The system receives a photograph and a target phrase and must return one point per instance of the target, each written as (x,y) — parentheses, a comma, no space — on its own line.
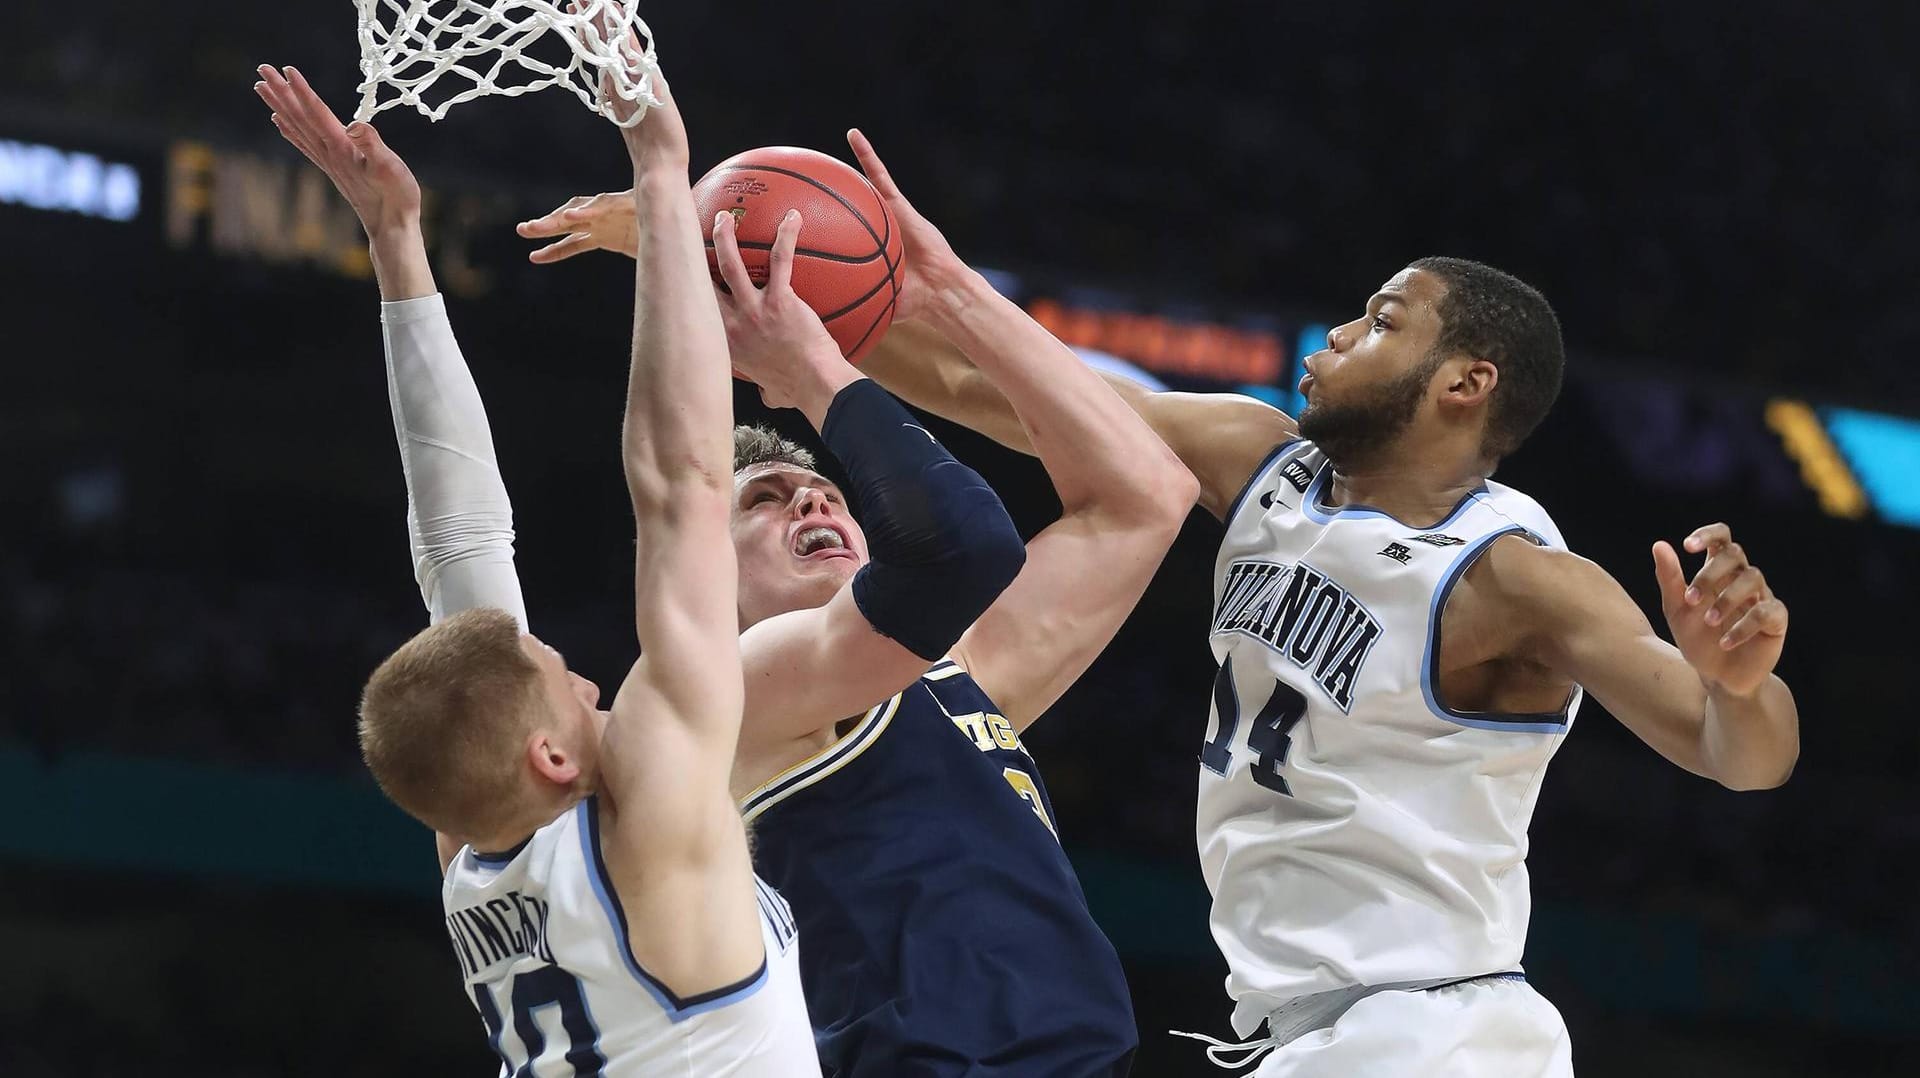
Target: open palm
(372,178)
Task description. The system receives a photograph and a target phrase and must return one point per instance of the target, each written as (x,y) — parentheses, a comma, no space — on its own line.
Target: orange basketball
(850,259)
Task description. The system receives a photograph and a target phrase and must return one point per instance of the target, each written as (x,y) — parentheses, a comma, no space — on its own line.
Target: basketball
(850,260)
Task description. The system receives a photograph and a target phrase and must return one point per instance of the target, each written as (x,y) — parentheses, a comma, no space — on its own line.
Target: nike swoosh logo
(922,430)
(1266,500)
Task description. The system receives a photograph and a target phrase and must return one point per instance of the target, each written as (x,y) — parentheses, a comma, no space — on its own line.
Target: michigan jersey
(1353,828)
(946,932)
(542,939)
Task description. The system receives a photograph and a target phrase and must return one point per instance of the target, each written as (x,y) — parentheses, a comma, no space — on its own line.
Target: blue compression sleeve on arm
(942,545)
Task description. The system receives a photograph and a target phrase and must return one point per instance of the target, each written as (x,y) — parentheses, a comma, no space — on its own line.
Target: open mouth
(821,542)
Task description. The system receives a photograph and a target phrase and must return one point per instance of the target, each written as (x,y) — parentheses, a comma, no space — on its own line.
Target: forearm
(459,519)
(1097,451)
(920,366)
(1751,742)
(677,430)
(399,252)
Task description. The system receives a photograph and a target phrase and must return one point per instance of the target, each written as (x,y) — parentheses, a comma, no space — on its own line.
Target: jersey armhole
(1542,722)
(677,1008)
(843,751)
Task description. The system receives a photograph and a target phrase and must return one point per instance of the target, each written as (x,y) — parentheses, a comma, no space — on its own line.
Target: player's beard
(1352,433)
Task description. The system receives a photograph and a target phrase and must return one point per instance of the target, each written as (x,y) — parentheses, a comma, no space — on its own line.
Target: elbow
(1771,777)
(994,557)
(1155,501)
(1179,491)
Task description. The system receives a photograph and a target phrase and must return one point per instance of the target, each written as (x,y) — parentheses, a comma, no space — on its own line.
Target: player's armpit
(670,839)
(1570,615)
(808,669)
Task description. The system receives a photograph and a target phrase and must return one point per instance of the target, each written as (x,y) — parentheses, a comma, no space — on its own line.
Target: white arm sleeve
(459,522)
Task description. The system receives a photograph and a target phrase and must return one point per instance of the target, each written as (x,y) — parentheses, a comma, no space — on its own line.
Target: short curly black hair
(1497,317)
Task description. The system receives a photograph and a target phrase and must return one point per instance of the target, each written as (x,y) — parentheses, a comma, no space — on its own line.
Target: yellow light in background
(1822,467)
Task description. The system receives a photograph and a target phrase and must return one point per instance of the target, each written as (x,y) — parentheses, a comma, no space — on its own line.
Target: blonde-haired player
(599,896)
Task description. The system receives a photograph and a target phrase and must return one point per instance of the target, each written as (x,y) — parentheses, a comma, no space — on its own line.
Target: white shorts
(1492,1028)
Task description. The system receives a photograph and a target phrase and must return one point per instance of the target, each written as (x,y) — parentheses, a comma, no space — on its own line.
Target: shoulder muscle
(1220,437)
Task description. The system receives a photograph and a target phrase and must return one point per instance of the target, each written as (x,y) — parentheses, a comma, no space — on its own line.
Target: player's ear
(551,760)
(1470,381)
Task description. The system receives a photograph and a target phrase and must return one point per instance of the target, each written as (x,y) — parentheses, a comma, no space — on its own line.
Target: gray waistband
(1304,1014)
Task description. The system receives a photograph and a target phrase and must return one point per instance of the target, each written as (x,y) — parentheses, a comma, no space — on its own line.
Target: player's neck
(1417,485)
(515,834)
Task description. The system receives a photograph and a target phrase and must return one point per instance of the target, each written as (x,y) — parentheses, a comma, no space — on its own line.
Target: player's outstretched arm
(1220,437)
(1709,701)
(674,845)
(459,520)
(941,547)
(1123,493)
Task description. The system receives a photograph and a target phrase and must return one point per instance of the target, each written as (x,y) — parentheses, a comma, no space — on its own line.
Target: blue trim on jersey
(678,1009)
(1327,514)
(1254,479)
(499,860)
(1546,722)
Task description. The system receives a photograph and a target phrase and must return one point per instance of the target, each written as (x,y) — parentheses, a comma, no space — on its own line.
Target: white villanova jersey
(1353,830)
(542,939)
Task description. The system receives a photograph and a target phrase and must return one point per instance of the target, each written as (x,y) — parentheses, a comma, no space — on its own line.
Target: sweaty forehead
(777,473)
(1414,288)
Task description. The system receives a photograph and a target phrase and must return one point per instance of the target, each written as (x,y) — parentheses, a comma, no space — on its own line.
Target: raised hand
(372,178)
(933,268)
(776,340)
(659,140)
(1727,623)
(604,222)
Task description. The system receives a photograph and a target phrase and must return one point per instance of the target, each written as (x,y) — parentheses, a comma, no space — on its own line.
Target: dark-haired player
(1402,645)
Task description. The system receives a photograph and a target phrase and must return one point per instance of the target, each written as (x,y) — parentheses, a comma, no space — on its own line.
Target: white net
(481,47)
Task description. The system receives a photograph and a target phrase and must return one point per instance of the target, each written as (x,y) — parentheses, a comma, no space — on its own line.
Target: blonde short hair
(442,719)
(763,445)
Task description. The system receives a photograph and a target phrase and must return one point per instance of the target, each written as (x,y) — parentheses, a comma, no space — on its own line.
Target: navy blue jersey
(946,934)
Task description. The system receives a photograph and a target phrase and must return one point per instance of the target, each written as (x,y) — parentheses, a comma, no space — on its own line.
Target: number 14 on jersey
(1270,736)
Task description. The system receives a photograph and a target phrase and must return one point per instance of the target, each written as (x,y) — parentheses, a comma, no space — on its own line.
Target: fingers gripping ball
(850,262)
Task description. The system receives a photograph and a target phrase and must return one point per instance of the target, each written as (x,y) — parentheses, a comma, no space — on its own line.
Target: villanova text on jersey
(1304,614)
(946,932)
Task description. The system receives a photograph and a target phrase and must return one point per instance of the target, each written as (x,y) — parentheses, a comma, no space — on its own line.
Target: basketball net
(593,47)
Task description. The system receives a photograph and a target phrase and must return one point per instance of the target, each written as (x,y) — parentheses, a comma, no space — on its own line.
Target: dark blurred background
(202,551)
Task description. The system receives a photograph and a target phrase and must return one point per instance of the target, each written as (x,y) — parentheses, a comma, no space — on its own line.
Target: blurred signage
(1821,465)
(1885,453)
(1165,345)
(283,210)
(47,178)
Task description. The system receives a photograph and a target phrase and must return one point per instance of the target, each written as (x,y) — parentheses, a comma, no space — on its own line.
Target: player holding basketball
(599,894)
(1402,645)
(946,932)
